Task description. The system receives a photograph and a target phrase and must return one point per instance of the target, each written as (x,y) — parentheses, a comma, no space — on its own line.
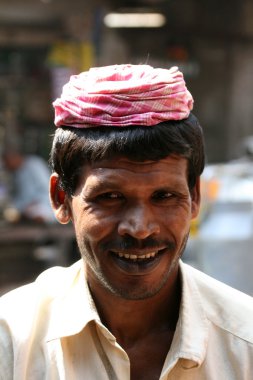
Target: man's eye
(110,195)
(162,195)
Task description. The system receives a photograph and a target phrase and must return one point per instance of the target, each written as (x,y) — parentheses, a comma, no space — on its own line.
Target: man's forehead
(172,163)
(108,175)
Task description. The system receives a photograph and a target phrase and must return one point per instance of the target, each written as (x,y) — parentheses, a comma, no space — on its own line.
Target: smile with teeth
(135,257)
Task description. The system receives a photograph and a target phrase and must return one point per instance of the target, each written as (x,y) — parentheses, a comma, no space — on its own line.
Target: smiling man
(126,162)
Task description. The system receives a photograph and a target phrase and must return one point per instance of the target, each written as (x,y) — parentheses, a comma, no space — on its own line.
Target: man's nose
(138,222)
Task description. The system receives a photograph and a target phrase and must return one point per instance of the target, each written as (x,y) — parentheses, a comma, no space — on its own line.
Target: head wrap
(122,95)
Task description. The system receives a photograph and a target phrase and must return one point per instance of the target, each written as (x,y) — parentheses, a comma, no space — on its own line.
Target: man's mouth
(133,257)
(137,262)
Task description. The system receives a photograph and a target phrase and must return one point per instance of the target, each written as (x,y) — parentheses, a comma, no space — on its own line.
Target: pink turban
(122,95)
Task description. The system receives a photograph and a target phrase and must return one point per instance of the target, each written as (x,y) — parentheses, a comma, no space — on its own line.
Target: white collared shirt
(50,330)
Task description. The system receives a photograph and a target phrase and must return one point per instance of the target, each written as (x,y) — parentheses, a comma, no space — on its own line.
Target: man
(30,175)
(127,158)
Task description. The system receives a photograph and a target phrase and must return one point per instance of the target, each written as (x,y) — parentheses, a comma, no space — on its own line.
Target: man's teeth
(135,257)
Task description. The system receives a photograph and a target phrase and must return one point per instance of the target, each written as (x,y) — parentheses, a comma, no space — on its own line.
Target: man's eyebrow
(100,186)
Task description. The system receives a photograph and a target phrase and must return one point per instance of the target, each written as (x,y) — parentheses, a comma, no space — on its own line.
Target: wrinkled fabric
(123,95)
(50,329)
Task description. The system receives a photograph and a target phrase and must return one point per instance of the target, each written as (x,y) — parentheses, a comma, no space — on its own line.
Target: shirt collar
(191,336)
(74,308)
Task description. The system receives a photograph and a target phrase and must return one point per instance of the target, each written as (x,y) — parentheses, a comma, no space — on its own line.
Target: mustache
(128,242)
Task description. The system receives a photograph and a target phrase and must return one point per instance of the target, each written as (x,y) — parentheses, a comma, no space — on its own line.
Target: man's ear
(59,200)
(195,198)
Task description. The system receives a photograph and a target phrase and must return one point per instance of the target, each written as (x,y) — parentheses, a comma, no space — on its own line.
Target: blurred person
(127,157)
(30,177)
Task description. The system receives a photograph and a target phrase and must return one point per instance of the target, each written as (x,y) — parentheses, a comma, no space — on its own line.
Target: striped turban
(123,95)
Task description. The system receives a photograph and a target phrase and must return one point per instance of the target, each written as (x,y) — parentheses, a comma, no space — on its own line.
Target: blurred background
(43,42)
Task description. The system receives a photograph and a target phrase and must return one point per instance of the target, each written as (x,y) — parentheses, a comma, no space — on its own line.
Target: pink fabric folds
(122,95)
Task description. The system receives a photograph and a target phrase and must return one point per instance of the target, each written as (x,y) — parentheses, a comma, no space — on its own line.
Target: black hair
(74,147)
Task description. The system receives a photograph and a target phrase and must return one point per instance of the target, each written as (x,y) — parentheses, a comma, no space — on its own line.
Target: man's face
(132,221)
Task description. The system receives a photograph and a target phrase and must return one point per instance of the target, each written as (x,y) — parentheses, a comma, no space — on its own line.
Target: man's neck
(130,320)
